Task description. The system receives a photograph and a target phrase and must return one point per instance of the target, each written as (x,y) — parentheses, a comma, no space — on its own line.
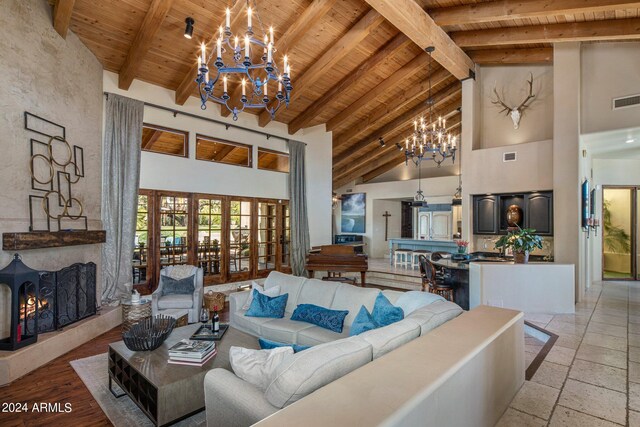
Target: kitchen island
(423,244)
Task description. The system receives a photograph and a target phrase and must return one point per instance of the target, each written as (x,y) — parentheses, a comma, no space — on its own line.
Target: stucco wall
(60,80)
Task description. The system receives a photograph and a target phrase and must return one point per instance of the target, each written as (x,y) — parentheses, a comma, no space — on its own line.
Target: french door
(231,238)
(620,232)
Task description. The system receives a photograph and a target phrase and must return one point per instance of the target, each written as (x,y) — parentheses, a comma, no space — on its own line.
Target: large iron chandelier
(233,65)
(430,139)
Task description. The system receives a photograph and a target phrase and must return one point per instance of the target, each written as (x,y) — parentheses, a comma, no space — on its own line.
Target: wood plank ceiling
(352,69)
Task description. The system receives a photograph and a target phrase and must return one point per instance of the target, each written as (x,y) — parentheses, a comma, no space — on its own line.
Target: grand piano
(337,259)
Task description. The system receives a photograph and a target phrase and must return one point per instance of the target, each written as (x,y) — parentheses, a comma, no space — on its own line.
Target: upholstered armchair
(193,302)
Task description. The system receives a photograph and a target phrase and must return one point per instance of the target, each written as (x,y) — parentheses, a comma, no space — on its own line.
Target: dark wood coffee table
(165,392)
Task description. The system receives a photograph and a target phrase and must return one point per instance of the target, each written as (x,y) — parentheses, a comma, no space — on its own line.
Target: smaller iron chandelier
(233,65)
(430,140)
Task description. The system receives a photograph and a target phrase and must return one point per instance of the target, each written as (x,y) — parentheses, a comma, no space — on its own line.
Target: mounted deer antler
(515,113)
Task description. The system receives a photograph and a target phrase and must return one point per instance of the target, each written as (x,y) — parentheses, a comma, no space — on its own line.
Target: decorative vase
(462,249)
(514,215)
(521,257)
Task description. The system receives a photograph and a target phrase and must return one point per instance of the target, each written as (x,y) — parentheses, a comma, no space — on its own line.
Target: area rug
(121,412)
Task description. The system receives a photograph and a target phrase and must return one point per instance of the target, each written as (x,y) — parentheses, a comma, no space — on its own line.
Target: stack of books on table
(192,353)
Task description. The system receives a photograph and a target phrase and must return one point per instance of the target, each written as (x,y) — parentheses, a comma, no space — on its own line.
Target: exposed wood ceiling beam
(224,152)
(402,99)
(348,82)
(372,160)
(538,55)
(417,64)
(614,29)
(415,23)
(62,16)
(150,139)
(187,86)
(370,21)
(146,33)
(361,163)
(450,92)
(311,15)
(504,10)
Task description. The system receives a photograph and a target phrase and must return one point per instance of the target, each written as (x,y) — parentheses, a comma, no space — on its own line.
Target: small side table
(134,312)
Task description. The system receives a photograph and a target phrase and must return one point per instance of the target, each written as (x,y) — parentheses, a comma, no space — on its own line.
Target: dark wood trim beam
(402,99)
(349,41)
(613,29)
(62,16)
(538,55)
(294,33)
(505,10)
(415,23)
(150,26)
(344,86)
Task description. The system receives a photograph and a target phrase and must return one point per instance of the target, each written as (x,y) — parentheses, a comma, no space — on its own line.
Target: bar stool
(402,257)
(415,257)
(431,283)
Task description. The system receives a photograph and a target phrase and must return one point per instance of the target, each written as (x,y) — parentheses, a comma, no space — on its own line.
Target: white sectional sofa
(231,401)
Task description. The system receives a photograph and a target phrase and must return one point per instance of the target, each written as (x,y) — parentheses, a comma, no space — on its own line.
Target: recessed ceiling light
(630,140)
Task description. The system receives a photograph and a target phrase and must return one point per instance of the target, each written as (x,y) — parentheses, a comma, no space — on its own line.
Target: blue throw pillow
(413,300)
(384,313)
(266,306)
(268,345)
(332,320)
(363,322)
(171,286)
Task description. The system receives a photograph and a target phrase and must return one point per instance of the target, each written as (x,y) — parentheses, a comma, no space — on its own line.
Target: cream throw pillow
(257,366)
(271,292)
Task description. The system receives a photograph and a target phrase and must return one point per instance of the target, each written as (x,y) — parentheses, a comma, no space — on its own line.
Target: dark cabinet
(406,227)
(485,214)
(539,207)
(489,212)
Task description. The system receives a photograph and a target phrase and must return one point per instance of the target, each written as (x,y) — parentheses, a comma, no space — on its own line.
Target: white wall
(436,190)
(191,175)
(59,80)
(609,70)
(536,124)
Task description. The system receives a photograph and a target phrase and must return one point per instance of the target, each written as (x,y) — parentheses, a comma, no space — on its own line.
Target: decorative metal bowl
(149,333)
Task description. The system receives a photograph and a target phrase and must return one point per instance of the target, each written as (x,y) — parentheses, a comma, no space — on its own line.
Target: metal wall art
(55,166)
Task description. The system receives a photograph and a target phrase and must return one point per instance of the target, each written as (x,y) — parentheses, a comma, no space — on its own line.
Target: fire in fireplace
(56,299)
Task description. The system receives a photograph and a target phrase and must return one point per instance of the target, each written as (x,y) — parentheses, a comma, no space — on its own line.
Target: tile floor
(591,376)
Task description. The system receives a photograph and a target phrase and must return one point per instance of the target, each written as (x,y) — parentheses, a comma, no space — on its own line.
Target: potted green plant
(521,241)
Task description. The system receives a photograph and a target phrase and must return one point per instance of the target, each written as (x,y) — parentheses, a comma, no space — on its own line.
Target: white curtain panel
(298,205)
(121,179)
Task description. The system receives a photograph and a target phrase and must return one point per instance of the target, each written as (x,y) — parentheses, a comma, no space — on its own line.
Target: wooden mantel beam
(504,10)
(415,23)
(62,16)
(311,15)
(349,41)
(613,29)
(187,85)
(350,80)
(150,26)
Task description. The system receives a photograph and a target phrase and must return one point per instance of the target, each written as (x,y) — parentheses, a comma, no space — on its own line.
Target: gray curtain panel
(298,205)
(121,179)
